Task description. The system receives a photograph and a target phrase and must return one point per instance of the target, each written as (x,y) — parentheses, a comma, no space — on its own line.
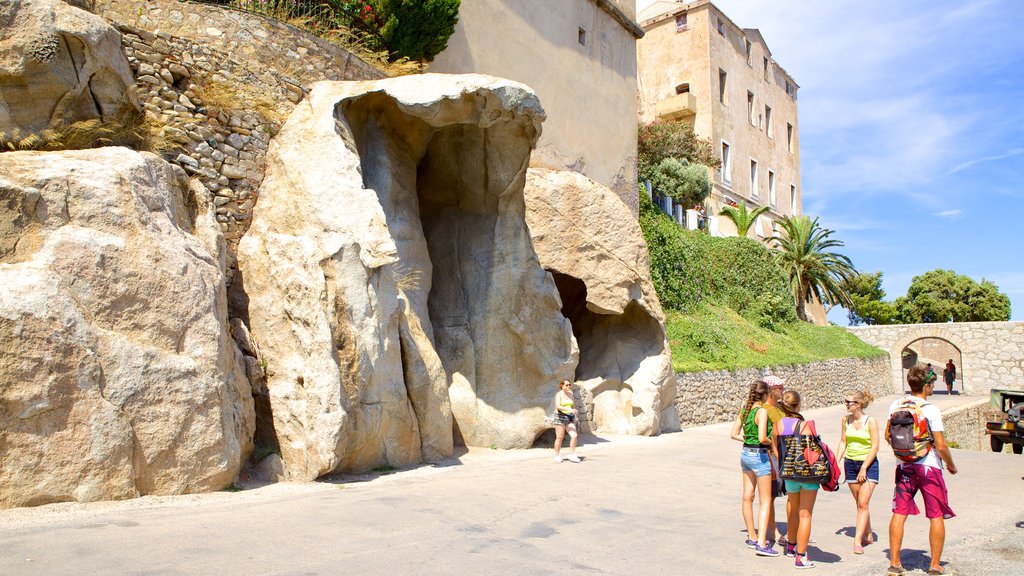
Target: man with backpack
(915,432)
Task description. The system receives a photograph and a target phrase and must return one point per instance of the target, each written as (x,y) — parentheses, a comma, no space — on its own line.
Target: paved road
(665,505)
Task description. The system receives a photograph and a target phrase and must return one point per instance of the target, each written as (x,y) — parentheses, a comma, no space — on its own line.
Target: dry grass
(223,96)
(129,128)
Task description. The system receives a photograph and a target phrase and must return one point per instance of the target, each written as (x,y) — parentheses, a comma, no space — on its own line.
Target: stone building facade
(717,396)
(579,56)
(698,66)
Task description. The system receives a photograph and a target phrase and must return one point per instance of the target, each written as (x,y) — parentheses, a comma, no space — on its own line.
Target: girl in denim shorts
(754,429)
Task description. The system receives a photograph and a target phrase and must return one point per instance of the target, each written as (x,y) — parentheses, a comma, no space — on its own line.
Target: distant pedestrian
(754,429)
(802,495)
(859,444)
(922,474)
(949,376)
(565,420)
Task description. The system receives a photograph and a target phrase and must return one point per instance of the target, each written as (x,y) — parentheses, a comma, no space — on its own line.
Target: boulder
(118,376)
(59,64)
(593,246)
(393,289)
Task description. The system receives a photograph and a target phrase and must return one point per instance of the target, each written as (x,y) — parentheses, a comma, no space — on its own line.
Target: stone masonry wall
(221,83)
(717,396)
(992,353)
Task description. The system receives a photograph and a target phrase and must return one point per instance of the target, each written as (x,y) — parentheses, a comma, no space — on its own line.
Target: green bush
(688,184)
(690,267)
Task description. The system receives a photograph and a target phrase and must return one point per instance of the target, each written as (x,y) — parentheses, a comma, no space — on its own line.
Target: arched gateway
(991,353)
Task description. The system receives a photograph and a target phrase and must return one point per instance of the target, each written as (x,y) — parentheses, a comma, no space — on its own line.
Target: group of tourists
(783,454)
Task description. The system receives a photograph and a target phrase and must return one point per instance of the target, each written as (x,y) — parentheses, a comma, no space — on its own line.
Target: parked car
(1004,425)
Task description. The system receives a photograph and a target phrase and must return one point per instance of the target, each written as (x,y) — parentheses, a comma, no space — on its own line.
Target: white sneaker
(574,458)
(558,458)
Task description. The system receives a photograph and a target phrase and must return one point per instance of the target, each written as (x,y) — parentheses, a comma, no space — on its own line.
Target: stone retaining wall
(965,425)
(717,396)
(221,83)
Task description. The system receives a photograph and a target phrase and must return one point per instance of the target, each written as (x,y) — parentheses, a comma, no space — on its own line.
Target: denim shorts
(853,469)
(755,460)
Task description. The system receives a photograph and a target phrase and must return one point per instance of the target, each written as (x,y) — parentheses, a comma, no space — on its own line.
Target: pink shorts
(911,478)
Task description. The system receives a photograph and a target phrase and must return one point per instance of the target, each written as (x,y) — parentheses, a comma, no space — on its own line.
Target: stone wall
(221,83)
(717,396)
(965,425)
(992,353)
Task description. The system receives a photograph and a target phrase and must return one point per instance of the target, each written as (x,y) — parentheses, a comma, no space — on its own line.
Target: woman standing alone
(565,420)
(859,444)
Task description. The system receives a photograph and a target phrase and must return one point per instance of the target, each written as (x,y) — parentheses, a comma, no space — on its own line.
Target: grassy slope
(715,338)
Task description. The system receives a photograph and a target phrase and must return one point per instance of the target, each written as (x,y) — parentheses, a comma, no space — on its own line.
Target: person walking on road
(565,420)
(776,386)
(802,495)
(859,444)
(921,474)
(949,376)
(754,428)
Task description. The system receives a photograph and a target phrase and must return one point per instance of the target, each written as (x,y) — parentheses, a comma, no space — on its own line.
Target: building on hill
(697,65)
(579,56)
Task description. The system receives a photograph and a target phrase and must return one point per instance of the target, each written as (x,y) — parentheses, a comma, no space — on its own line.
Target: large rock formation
(391,279)
(588,239)
(118,376)
(58,64)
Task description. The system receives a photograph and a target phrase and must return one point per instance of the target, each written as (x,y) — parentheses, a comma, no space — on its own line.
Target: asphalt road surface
(664,505)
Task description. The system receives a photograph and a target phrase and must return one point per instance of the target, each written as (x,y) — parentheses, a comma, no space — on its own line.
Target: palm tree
(813,270)
(741,217)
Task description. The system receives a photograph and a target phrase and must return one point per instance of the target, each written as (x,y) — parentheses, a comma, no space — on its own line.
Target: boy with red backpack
(915,432)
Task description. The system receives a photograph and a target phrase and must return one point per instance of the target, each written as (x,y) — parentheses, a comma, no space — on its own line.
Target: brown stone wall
(717,396)
(221,83)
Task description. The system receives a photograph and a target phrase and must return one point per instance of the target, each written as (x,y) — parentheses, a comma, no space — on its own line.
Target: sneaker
(766,551)
(803,562)
(897,571)
(790,550)
(558,458)
(858,549)
(783,541)
(751,543)
(574,458)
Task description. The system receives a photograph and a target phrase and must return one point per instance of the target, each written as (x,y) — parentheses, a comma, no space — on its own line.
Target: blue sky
(911,119)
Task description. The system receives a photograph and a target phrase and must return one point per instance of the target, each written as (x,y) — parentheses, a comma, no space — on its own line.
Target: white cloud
(965,165)
(951,214)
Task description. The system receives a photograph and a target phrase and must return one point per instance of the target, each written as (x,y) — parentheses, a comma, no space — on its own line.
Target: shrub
(660,140)
(688,268)
(688,184)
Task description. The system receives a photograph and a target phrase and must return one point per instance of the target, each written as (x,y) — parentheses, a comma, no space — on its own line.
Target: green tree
(417,29)
(814,270)
(661,139)
(688,184)
(741,217)
(867,300)
(944,296)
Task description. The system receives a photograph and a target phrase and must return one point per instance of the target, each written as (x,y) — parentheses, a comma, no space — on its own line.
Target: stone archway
(924,332)
(935,351)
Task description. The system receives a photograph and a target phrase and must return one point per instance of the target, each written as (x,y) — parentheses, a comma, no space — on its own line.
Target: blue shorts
(755,460)
(853,469)
(792,486)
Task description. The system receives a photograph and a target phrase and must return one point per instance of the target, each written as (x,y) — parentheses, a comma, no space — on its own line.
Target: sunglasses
(850,402)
